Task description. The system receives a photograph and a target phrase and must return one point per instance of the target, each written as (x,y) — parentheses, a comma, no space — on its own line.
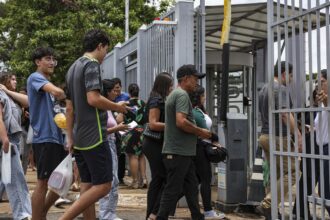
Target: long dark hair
(195,98)
(162,84)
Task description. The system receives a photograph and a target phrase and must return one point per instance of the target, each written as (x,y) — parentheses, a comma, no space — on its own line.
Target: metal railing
(299,178)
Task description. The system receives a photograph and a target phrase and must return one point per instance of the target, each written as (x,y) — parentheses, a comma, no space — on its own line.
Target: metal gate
(298,33)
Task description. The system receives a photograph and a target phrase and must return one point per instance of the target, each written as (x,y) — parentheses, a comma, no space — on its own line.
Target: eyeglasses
(51,59)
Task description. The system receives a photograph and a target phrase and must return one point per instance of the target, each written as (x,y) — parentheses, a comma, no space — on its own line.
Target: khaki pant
(264,142)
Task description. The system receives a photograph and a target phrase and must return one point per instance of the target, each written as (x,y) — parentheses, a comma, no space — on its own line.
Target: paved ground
(131,205)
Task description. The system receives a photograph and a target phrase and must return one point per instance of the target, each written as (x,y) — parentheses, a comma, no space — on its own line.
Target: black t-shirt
(89,122)
(157,102)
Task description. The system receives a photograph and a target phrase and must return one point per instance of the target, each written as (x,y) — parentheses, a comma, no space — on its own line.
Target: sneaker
(214,215)
(266,212)
(62,201)
(117,218)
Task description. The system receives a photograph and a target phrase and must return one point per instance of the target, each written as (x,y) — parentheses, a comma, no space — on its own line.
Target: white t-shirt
(321,128)
(208,121)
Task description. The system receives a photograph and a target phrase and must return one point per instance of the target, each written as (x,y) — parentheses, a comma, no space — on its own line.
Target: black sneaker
(266,212)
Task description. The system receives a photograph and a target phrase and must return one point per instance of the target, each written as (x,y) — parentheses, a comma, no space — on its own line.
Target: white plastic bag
(6,166)
(61,178)
(29,136)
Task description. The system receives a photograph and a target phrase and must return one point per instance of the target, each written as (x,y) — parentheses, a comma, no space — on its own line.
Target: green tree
(61,24)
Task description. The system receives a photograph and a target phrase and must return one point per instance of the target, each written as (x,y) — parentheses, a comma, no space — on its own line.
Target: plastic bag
(6,166)
(61,178)
(29,136)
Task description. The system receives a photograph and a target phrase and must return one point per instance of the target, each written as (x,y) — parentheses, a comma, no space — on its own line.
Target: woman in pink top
(108,204)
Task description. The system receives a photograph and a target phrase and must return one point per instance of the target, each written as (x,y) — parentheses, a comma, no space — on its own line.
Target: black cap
(187,70)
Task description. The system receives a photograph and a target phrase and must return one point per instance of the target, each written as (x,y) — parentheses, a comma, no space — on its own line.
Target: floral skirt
(131,142)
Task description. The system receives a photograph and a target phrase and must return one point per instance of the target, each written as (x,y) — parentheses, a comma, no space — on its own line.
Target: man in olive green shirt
(180,145)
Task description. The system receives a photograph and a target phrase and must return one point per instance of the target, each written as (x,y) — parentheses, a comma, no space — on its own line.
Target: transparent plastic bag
(61,178)
(29,136)
(6,166)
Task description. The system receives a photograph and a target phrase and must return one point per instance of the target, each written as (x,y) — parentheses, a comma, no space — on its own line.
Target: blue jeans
(108,204)
(17,190)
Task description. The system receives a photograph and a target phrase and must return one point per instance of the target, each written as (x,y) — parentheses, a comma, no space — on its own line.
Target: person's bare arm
(154,123)
(3,132)
(292,129)
(69,124)
(119,127)
(184,124)
(57,92)
(95,99)
(22,99)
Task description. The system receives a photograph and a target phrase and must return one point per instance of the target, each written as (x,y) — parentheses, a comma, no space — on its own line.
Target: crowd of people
(104,126)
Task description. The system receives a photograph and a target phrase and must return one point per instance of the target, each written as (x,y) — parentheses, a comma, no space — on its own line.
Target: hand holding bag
(152,134)
(61,178)
(214,153)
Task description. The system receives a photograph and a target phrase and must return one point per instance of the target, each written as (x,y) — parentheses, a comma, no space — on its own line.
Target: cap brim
(201,75)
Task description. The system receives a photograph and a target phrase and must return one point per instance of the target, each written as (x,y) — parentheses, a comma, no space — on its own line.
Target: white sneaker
(117,218)
(62,201)
(214,215)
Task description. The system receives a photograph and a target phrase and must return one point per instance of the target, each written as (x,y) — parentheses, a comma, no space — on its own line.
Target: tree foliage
(61,24)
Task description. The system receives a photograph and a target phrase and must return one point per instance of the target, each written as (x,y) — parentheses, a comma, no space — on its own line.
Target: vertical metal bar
(288,144)
(318,50)
(310,70)
(303,206)
(147,62)
(282,157)
(270,46)
(327,23)
(160,52)
(126,20)
(203,53)
(165,47)
(159,41)
(293,178)
(154,51)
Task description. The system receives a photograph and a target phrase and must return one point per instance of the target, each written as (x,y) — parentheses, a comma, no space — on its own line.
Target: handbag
(214,153)
(152,134)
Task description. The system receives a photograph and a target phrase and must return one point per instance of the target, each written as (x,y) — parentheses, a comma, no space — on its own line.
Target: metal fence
(299,33)
(143,56)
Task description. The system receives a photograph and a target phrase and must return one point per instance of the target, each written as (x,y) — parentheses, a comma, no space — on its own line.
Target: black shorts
(95,165)
(48,156)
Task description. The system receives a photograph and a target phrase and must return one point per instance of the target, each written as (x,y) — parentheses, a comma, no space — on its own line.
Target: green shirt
(176,141)
(199,118)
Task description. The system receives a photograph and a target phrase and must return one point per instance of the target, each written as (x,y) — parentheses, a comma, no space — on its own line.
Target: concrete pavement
(131,205)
